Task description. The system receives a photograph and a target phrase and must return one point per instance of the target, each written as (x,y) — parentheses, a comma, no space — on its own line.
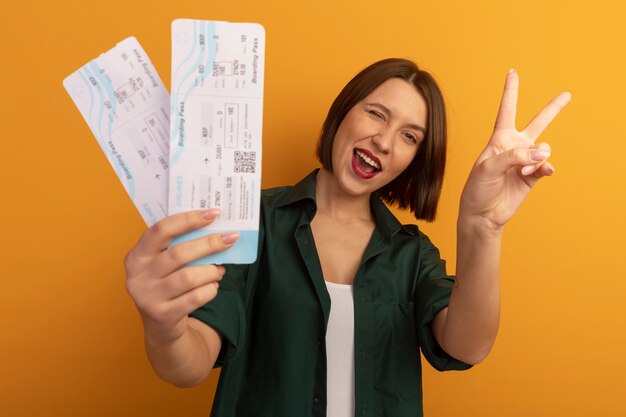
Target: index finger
(508,103)
(159,235)
(546,115)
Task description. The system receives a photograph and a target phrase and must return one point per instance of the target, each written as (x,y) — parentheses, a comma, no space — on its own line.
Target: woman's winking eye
(375,113)
(379,115)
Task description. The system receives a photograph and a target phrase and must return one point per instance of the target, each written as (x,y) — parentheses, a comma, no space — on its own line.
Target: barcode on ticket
(245,161)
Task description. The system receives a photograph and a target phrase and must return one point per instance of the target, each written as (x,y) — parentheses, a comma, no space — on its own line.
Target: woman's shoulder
(275,191)
(412,235)
(412,229)
(286,195)
(275,195)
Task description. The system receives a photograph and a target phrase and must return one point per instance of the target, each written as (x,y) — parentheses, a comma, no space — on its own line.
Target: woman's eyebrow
(388,113)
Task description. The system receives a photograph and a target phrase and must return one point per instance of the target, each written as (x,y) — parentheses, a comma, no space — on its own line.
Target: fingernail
(540,154)
(528,169)
(210,213)
(512,70)
(217,285)
(568,95)
(228,238)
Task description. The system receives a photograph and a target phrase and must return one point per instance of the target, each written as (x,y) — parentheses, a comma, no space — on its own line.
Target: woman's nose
(382,141)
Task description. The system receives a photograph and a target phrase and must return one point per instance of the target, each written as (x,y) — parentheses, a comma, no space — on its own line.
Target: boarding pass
(124,102)
(215,129)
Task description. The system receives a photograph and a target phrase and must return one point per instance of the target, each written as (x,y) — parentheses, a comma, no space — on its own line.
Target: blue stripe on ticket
(244,251)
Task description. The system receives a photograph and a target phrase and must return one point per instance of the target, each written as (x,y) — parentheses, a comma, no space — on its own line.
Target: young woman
(331,317)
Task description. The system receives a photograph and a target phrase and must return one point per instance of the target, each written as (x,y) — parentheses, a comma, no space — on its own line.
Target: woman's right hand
(165,292)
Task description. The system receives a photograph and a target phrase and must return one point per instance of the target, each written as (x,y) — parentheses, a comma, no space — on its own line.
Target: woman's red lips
(371,156)
(361,167)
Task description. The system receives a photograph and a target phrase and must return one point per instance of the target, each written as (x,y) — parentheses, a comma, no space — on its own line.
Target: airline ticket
(215,129)
(127,107)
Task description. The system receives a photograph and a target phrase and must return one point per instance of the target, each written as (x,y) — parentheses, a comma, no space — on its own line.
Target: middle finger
(187,279)
(538,124)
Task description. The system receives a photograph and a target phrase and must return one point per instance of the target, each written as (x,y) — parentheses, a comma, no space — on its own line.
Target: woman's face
(379,137)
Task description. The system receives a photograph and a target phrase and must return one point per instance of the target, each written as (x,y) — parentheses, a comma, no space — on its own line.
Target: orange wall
(70,339)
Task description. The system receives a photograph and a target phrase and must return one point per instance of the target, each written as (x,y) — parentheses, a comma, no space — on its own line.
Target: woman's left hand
(511,164)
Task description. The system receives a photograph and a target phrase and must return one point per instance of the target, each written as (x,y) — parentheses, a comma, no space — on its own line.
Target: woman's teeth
(368,160)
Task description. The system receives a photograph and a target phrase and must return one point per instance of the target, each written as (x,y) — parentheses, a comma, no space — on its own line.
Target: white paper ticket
(215,129)
(124,102)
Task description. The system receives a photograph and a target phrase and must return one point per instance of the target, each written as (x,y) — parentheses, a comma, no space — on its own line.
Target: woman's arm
(187,360)
(182,350)
(499,182)
(467,328)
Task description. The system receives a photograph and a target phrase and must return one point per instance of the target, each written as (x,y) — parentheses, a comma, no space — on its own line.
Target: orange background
(70,338)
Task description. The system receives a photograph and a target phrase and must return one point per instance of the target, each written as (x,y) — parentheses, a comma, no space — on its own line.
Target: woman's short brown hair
(418,187)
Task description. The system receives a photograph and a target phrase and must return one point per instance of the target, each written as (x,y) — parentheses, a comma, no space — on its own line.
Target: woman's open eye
(410,137)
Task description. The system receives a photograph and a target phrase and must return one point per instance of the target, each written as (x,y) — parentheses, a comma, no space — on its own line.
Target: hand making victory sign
(501,178)
(512,162)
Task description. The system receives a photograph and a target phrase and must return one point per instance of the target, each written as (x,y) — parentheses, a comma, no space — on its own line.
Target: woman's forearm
(472,318)
(186,361)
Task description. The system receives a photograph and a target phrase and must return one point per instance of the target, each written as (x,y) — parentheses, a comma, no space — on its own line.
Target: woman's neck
(335,202)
